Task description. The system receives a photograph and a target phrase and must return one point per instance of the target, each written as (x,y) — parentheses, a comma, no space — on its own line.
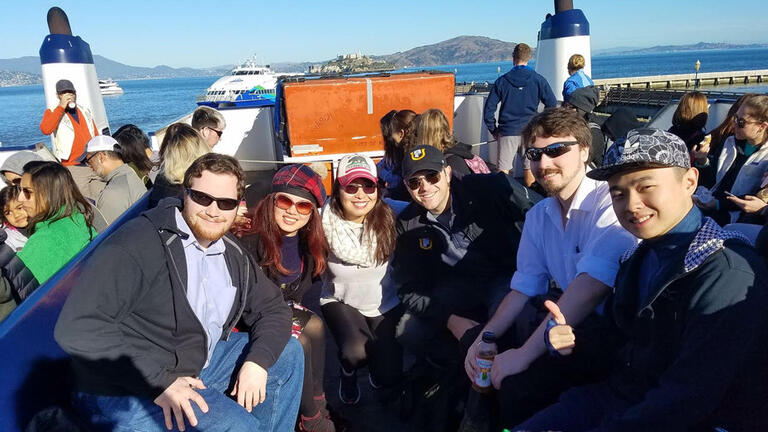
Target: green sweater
(53,244)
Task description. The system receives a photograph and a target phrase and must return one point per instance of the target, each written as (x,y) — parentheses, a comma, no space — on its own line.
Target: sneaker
(349,392)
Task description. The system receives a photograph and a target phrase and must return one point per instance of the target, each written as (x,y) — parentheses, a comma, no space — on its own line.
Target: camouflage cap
(643,148)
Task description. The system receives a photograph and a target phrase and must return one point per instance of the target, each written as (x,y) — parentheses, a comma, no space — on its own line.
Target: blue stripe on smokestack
(59,48)
(564,24)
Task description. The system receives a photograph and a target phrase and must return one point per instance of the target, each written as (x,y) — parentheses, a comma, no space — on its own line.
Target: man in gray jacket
(123,186)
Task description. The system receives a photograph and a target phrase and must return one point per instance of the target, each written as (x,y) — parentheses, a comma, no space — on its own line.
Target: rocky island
(351,63)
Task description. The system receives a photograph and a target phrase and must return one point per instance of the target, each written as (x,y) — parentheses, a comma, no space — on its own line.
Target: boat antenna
(58,23)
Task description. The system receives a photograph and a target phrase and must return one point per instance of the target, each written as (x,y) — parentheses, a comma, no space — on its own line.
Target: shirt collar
(583,200)
(681,234)
(215,248)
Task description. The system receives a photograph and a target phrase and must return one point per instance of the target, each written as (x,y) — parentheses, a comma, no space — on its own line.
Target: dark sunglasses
(284,203)
(218,132)
(205,200)
(15,182)
(27,192)
(741,122)
(368,187)
(414,183)
(552,151)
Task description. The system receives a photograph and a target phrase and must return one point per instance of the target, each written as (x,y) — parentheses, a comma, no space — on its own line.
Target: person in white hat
(123,186)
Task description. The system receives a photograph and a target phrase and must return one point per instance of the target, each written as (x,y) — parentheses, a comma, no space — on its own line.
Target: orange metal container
(341,114)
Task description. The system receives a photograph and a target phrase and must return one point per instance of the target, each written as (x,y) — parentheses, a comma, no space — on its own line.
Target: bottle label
(483,378)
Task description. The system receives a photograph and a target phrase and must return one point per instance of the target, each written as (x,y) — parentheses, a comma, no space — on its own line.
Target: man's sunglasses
(368,187)
(218,132)
(302,207)
(414,183)
(552,151)
(202,198)
(741,122)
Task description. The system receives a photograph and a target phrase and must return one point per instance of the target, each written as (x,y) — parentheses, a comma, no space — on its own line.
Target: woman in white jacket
(741,165)
(359,303)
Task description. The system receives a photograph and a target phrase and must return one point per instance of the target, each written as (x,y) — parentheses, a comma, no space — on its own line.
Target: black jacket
(164,189)
(456,156)
(696,351)
(489,210)
(127,323)
(296,291)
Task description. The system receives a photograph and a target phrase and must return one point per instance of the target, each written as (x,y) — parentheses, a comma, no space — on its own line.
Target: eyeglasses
(414,183)
(741,122)
(302,207)
(27,192)
(552,151)
(218,132)
(87,159)
(368,187)
(202,198)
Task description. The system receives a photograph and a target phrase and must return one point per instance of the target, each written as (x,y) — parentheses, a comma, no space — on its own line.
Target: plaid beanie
(301,181)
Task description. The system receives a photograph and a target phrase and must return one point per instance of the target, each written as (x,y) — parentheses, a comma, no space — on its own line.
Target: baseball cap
(100,143)
(643,148)
(422,158)
(353,167)
(64,85)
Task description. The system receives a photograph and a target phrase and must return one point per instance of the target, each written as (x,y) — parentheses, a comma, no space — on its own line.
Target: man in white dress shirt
(573,239)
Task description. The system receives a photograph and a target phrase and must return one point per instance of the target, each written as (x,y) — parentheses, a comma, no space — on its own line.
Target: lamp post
(696,77)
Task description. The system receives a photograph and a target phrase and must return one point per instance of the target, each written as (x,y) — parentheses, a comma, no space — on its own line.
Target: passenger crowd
(613,264)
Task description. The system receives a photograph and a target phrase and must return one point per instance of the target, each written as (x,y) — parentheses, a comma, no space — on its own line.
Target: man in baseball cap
(455,252)
(689,301)
(123,187)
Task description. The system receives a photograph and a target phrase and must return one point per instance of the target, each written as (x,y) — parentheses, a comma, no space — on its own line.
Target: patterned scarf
(347,241)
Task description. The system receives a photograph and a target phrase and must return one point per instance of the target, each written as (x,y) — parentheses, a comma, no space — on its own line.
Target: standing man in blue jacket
(520,90)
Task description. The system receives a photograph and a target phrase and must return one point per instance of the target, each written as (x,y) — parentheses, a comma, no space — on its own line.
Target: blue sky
(210,33)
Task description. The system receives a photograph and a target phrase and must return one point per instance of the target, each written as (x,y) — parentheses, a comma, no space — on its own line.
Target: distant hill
(105,68)
(691,47)
(459,50)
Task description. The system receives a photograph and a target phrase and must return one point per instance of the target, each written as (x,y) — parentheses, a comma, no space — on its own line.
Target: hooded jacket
(520,90)
(127,323)
(696,348)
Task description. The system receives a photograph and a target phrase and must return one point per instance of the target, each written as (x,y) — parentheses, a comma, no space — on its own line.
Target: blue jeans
(277,413)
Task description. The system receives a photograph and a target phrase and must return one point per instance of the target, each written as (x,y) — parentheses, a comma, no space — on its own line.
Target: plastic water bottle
(485,356)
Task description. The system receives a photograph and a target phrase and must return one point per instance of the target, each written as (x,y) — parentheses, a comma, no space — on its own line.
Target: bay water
(154,103)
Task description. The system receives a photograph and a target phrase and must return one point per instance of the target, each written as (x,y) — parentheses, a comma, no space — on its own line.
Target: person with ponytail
(360,303)
(286,240)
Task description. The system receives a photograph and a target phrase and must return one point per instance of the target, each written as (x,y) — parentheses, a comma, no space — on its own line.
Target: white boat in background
(109,87)
(248,85)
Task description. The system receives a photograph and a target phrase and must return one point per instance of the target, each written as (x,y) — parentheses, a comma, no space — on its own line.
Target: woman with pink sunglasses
(287,241)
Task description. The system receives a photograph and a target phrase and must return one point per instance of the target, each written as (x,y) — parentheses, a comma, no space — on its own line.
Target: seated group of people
(617,303)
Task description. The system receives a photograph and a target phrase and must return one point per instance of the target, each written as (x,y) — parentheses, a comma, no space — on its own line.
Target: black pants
(523,395)
(308,328)
(366,340)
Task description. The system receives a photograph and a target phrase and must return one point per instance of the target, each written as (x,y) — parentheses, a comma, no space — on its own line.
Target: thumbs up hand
(561,336)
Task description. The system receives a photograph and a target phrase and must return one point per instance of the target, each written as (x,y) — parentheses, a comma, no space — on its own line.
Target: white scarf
(347,241)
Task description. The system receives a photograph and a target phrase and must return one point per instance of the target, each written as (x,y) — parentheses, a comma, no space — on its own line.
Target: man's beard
(551,189)
(205,234)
